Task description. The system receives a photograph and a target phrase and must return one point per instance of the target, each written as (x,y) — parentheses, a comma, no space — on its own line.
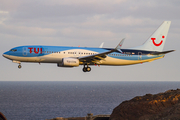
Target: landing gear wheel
(84,69)
(19,66)
(88,69)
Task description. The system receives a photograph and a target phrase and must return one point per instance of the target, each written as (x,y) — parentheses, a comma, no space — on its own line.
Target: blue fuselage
(55,54)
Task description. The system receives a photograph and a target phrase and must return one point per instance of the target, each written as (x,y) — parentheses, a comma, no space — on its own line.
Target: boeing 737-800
(63,56)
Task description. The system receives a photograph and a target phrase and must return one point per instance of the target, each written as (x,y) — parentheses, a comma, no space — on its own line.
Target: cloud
(80,19)
(4,12)
(81,33)
(2,19)
(83,2)
(4,15)
(83,19)
(10,5)
(26,31)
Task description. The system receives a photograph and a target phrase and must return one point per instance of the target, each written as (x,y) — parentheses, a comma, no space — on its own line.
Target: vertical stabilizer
(157,39)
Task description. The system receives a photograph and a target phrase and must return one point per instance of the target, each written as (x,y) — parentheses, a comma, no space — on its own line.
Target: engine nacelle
(69,62)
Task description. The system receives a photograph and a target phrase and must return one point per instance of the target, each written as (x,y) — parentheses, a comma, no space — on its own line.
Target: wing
(96,58)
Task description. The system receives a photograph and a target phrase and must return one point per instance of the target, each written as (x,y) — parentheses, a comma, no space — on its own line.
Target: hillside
(162,106)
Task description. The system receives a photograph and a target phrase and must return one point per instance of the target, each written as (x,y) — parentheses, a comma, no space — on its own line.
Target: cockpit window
(13,50)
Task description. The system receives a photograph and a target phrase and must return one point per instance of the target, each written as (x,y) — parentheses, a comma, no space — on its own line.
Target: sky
(88,23)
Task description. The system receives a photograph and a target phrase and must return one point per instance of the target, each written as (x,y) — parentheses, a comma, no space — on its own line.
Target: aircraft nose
(5,55)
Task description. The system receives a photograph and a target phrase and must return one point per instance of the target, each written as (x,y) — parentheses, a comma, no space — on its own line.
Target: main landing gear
(86,69)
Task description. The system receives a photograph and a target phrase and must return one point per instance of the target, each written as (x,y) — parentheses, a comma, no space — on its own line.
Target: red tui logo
(157,44)
(36,50)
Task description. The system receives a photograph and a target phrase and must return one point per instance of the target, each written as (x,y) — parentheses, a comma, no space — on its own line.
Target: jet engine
(69,62)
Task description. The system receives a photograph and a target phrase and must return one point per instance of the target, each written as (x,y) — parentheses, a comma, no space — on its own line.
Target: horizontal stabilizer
(164,52)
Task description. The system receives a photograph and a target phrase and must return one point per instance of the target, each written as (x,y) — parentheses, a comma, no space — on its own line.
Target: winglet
(101,45)
(120,44)
(118,47)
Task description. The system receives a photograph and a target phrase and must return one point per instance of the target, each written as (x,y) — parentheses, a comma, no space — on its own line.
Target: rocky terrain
(89,116)
(2,117)
(77,118)
(162,106)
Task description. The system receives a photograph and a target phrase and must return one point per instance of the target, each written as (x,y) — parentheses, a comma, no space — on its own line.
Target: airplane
(65,56)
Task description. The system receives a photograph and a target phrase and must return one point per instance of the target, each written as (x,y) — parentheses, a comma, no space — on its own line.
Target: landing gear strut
(86,69)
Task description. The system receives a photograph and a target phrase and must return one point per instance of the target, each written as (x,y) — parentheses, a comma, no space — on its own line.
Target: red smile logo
(157,44)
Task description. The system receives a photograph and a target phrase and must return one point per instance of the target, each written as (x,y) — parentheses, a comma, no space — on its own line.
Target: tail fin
(158,38)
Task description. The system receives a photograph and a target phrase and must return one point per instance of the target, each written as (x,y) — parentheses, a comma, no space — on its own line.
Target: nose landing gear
(86,69)
(19,62)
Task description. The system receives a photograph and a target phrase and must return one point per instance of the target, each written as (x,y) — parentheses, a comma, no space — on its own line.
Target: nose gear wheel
(19,66)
